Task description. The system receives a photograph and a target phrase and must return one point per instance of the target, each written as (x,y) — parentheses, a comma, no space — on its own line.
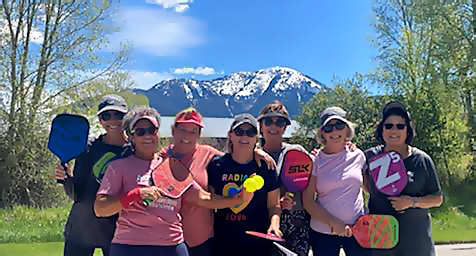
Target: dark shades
(330,127)
(280,122)
(248,132)
(390,126)
(151,130)
(106,116)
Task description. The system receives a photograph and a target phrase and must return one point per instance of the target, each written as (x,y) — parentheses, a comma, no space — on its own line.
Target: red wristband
(131,197)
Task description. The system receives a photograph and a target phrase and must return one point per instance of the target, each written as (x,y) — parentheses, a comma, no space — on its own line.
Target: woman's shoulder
(419,153)
(374,151)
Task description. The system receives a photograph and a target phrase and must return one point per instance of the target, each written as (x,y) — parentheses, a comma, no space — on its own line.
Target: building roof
(214,127)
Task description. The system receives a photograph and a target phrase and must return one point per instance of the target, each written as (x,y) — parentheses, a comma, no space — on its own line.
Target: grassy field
(27,231)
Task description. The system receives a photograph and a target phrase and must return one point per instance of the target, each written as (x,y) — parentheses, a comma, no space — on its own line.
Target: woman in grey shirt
(423,190)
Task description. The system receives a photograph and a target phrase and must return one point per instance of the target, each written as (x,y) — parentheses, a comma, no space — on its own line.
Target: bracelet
(414,203)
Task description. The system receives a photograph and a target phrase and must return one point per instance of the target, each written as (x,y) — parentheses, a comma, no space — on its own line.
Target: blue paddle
(68,137)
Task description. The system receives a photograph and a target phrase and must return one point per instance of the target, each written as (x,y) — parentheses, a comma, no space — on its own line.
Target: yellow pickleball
(259,182)
(250,185)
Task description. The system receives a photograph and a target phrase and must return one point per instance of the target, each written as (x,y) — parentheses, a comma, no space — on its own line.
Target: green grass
(27,225)
(35,249)
(453,226)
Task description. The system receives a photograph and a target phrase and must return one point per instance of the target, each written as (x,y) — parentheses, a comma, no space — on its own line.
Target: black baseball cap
(395,107)
(112,102)
(245,119)
(275,114)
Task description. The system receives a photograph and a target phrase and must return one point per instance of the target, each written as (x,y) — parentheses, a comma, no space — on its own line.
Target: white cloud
(146,79)
(197,71)
(176,5)
(36,36)
(157,32)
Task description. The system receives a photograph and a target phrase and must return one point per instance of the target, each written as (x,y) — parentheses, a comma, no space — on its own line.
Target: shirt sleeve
(271,179)
(432,183)
(74,186)
(315,165)
(111,184)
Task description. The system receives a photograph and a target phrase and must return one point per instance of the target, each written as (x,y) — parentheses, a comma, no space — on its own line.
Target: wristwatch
(414,202)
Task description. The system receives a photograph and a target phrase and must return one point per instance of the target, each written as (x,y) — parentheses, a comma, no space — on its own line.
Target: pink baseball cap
(152,119)
(190,118)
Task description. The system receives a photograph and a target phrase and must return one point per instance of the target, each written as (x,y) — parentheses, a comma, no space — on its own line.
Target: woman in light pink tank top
(337,180)
(157,228)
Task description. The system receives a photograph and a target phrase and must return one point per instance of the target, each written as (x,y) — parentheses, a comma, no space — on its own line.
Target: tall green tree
(425,55)
(49,57)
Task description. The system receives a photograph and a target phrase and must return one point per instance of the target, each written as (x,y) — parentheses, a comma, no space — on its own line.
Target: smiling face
(186,135)
(111,121)
(394,131)
(243,137)
(335,133)
(145,137)
(273,127)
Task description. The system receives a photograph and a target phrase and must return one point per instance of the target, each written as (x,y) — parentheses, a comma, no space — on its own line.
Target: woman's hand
(339,228)
(401,203)
(287,202)
(262,155)
(274,229)
(150,193)
(60,171)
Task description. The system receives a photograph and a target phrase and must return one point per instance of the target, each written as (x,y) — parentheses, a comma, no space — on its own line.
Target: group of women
(111,180)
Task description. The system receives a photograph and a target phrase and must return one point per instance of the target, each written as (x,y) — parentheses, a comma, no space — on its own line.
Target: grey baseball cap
(333,113)
(245,119)
(112,102)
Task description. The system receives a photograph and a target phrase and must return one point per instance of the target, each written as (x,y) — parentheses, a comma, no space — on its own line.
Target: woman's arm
(314,208)
(105,205)
(209,200)
(274,207)
(405,202)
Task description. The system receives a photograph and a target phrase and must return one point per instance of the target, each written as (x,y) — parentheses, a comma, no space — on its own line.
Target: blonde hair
(275,106)
(350,133)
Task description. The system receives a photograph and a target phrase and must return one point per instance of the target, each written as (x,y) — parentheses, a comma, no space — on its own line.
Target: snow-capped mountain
(241,92)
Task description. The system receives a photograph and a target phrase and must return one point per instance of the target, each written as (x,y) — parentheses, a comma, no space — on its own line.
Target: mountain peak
(235,93)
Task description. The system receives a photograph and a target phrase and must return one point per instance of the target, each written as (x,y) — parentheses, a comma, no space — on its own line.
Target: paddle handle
(65,167)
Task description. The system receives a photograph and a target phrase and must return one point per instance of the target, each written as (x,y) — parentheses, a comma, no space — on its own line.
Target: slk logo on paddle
(388,172)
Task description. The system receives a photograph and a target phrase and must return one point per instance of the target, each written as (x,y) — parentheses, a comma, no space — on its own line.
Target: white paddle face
(388,172)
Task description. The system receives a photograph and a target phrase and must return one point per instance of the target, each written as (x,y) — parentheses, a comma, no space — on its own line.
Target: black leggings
(329,245)
(73,249)
(133,250)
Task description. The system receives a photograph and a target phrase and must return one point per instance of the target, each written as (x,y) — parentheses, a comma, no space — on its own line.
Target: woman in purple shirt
(337,179)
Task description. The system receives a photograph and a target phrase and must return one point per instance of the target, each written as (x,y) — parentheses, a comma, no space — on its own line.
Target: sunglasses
(248,132)
(280,122)
(106,116)
(151,130)
(330,127)
(390,126)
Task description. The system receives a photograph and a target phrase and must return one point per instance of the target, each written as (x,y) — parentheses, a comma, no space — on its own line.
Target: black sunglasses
(151,130)
(280,122)
(330,127)
(249,132)
(106,116)
(390,126)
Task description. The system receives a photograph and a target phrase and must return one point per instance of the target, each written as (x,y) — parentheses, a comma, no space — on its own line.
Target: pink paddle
(272,237)
(388,172)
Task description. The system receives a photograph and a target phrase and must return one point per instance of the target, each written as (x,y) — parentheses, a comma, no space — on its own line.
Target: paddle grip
(65,167)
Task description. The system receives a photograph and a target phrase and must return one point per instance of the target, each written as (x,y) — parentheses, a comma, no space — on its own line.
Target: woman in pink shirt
(337,179)
(156,229)
(197,221)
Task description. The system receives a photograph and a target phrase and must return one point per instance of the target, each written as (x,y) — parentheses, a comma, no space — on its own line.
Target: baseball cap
(245,119)
(275,114)
(112,102)
(333,113)
(151,118)
(395,107)
(191,117)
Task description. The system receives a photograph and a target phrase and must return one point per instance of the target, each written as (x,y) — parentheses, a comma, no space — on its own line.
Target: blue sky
(206,39)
